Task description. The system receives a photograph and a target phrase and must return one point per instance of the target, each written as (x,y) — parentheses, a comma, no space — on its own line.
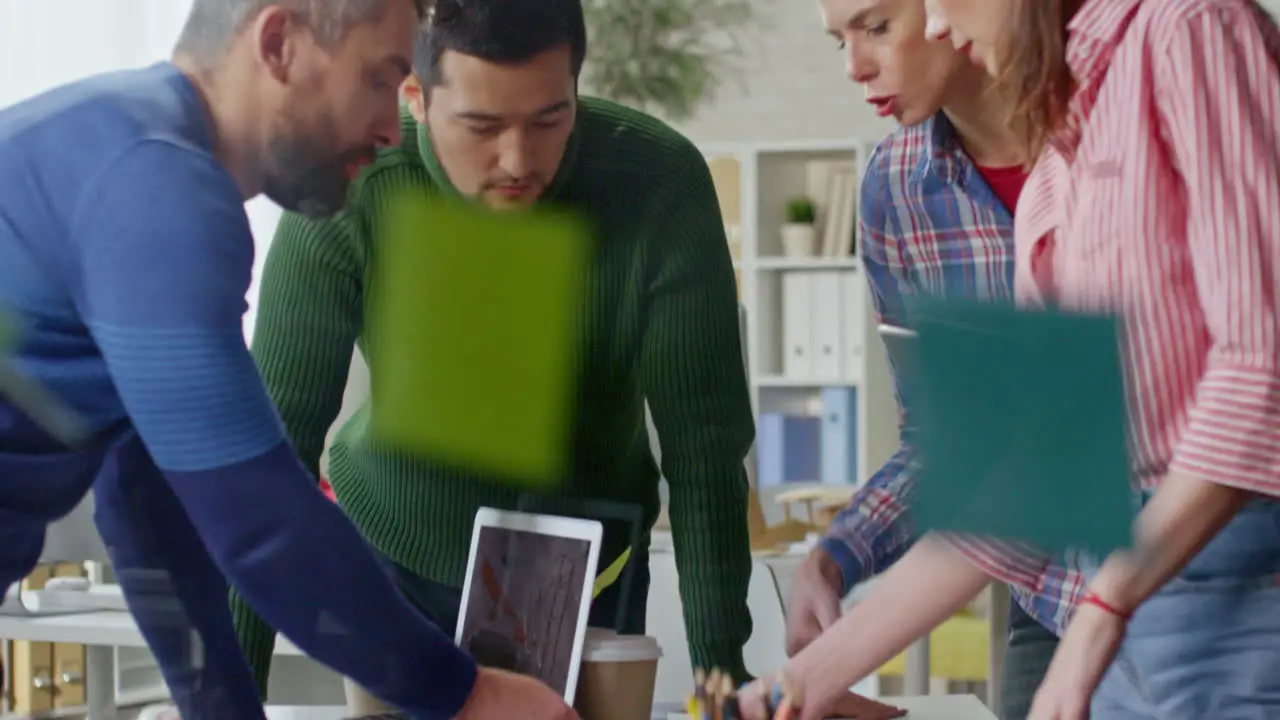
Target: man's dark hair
(503,32)
(213,24)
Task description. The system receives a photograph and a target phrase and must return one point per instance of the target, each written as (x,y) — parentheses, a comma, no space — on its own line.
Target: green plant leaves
(663,55)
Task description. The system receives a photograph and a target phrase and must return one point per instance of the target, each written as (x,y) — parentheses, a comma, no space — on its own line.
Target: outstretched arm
(693,377)
(309,313)
(875,529)
(928,585)
(166,255)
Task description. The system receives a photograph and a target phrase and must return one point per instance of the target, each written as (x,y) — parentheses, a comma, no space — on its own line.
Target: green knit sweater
(661,325)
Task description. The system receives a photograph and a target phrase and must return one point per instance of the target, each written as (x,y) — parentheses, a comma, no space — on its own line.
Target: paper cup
(617,677)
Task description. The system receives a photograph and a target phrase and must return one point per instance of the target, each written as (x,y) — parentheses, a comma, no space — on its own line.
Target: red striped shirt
(1161,201)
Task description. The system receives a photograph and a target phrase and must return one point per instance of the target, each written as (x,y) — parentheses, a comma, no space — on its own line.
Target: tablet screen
(522,611)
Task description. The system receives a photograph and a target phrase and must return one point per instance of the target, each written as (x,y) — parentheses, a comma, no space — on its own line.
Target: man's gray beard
(297,183)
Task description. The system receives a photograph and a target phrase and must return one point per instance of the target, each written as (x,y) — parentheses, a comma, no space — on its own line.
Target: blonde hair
(1034,74)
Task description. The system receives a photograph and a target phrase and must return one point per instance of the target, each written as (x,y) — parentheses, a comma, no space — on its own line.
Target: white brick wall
(792,86)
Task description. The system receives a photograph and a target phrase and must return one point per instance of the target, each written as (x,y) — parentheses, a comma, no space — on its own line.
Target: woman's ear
(412,95)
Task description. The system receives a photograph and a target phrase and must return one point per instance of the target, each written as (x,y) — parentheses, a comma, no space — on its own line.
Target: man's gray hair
(213,24)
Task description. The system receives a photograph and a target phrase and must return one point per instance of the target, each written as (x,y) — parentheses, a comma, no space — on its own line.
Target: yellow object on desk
(610,574)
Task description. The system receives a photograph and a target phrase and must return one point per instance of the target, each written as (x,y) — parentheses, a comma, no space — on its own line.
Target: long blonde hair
(1034,73)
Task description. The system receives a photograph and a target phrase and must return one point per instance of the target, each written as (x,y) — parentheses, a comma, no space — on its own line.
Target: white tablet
(528,593)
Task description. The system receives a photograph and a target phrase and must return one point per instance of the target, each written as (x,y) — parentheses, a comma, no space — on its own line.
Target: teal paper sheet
(1021,418)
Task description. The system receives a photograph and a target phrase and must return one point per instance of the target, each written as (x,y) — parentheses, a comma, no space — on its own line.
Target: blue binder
(787,450)
(839,436)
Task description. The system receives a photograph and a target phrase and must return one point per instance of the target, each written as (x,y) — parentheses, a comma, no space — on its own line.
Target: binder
(826,316)
(840,436)
(853,324)
(788,448)
(797,330)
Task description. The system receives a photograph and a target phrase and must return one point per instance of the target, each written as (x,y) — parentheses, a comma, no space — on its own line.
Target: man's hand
(814,604)
(500,695)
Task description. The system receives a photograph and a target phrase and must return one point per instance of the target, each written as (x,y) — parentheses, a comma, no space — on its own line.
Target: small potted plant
(799,236)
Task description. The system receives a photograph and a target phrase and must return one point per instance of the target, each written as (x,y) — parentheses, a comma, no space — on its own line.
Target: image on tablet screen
(523,608)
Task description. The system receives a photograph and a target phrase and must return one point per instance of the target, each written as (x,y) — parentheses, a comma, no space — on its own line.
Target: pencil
(700,694)
(713,692)
(730,700)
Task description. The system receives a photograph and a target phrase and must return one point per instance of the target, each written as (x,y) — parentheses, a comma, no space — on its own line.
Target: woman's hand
(753,699)
(1086,651)
(767,693)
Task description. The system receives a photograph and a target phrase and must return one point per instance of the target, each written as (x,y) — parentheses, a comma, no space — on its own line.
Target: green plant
(801,211)
(667,56)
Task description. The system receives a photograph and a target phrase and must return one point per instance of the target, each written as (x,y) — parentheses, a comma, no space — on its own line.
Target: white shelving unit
(755,181)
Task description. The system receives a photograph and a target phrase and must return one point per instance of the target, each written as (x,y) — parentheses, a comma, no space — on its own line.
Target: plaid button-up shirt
(928,224)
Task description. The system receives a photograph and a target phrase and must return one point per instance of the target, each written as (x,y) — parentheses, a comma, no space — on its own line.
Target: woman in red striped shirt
(1157,195)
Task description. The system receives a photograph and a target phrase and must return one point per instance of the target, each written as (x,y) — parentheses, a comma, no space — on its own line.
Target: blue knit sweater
(125,254)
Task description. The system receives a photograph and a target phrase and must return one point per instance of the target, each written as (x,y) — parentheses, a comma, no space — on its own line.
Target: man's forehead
(475,87)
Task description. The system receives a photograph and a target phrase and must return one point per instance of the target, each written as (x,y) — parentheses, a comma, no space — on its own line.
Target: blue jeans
(1207,646)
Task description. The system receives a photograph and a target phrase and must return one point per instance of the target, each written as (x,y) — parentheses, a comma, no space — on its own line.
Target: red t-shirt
(1005,182)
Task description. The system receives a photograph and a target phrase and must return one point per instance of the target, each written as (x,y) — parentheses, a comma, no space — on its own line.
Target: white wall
(792,86)
(45,43)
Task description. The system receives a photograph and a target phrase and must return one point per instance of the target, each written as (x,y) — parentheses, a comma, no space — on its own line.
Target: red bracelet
(1090,598)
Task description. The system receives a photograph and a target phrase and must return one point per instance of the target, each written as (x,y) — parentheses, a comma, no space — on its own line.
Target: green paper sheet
(1022,425)
(475,336)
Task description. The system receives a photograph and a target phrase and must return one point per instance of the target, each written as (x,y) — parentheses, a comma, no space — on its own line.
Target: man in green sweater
(493,115)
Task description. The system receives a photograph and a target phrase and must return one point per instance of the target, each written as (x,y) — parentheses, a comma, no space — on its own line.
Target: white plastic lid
(607,646)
